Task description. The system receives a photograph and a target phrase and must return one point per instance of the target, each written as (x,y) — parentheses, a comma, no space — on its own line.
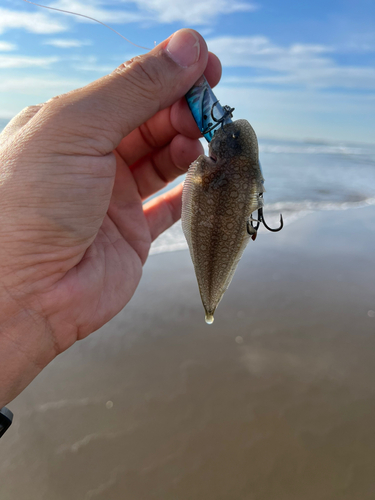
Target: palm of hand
(88,216)
(109,270)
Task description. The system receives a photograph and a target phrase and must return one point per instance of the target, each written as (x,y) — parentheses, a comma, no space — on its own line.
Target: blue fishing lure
(206,109)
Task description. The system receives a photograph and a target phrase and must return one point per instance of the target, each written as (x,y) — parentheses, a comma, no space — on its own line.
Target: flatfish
(219,195)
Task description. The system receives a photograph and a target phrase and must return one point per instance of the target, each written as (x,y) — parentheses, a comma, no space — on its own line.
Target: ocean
(301,177)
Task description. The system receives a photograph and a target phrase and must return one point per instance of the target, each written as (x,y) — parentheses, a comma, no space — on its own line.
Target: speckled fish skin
(218,199)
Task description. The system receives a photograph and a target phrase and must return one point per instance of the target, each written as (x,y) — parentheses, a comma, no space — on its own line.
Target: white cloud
(7,46)
(97,10)
(102,69)
(298,64)
(360,43)
(260,52)
(25,61)
(34,22)
(90,63)
(6,115)
(349,77)
(196,12)
(34,85)
(18,93)
(62,43)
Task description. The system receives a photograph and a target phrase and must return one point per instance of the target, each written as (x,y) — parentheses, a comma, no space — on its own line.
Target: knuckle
(54,98)
(25,115)
(18,122)
(31,110)
(144,73)
(57,98)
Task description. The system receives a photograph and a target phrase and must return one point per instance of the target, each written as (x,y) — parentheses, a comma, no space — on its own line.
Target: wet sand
(274,401)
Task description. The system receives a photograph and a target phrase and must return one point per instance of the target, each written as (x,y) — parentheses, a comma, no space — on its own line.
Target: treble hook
(227,113)
(253,229)
(261,219)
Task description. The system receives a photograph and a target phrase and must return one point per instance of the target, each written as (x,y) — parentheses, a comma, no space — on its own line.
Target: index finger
(159,130)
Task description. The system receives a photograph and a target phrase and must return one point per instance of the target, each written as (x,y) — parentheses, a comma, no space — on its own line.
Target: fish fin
(229,278)
(187,202)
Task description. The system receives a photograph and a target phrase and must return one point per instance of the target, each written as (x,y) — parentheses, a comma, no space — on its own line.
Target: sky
(295,69)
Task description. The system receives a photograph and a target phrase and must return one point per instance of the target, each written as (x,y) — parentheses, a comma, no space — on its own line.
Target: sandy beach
(274,401)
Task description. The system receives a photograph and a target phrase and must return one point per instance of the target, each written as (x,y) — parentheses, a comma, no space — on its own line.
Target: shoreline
(173,240)
(274,400)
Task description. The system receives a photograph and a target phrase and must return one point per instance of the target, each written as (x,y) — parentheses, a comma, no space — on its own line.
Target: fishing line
(87,17)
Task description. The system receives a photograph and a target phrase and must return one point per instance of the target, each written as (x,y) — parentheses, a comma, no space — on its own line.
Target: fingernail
(184,48)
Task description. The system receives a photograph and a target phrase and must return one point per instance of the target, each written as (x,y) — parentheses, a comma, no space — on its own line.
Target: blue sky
(294,69)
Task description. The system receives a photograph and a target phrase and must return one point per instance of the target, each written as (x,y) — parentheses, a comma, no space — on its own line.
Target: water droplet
(109,405)
(371,314)
(209,319)
(239,340)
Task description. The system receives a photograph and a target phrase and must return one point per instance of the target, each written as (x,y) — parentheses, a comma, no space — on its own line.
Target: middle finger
(166,124)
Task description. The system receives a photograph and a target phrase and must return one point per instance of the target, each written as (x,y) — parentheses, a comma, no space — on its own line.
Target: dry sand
(274,401)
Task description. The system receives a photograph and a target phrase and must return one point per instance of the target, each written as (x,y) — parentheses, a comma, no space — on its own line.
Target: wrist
(26,347)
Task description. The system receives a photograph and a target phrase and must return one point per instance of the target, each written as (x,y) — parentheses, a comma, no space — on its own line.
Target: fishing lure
(220,191)
(219,196)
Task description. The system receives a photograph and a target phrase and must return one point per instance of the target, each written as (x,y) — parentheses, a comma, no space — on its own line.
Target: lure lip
(206,109)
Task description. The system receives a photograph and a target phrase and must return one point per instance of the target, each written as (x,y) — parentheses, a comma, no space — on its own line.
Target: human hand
(73,174)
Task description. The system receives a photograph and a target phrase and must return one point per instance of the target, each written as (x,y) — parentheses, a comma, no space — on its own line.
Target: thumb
(108,109)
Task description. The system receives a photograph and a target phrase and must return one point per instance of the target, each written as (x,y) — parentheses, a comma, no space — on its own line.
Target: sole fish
(219,195)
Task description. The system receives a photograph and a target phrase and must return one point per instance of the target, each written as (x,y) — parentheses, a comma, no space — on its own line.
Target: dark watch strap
(6,418)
